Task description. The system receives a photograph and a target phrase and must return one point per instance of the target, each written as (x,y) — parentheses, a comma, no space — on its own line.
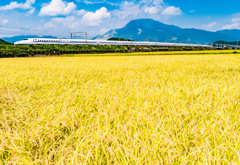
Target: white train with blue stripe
(46,41)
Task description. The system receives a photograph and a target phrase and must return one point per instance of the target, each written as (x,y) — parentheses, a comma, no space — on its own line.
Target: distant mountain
(228,43)
(234,33)
(148,29)
(19,38)
(2,42)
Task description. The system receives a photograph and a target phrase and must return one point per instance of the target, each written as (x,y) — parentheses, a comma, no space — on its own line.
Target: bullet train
(46,41)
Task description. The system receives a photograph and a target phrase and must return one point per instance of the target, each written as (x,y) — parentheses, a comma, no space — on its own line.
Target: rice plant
(120,110)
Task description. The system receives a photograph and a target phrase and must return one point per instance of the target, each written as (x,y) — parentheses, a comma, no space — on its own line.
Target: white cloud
(152,2)
(31,11)
(95,18)
(64,20)
(231,26)
(128,10)
(151,10)
(103,31)
(234,25)
(57,7)
(101,20)
(69,21)
(49,25)
(172,11)
(151,6)
(81,12)
(14,5)
(98,1)
(86,22)
(3,21)
(210,25)
(157,2)
(236,20)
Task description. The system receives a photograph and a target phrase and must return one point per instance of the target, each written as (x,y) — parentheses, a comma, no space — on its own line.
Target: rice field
(172,109)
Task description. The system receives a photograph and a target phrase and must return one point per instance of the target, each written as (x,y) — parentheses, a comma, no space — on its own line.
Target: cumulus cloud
(92,21)
(14,5)
(127,10)
(84,21)
(151,6)
(151,10)
(81,12)
(172,10)
(57,7)
(95,18)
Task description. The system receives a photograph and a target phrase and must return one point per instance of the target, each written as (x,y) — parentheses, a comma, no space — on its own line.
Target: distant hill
(19,38)
(2,42)
(234,33)
(228,43)
(148,29)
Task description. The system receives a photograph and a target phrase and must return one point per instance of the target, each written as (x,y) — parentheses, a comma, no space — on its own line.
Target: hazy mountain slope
(234,33)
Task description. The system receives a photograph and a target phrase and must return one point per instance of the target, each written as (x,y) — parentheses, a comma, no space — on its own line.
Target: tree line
(53,50)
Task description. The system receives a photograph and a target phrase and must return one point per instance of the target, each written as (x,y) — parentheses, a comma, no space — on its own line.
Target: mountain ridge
(152,30)
(147,29)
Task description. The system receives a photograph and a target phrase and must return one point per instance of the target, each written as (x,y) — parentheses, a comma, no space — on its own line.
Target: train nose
(16,43)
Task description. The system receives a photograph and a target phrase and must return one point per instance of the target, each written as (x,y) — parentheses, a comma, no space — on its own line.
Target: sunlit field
(176,109)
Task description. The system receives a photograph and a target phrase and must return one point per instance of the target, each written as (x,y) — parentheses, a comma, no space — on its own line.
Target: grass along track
(120,110)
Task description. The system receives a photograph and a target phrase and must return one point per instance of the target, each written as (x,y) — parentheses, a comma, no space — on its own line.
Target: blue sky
(59,17)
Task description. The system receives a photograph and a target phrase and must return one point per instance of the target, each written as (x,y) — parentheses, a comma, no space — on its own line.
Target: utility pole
(86,36)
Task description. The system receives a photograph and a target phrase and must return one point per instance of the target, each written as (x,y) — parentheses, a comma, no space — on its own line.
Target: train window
(25,39)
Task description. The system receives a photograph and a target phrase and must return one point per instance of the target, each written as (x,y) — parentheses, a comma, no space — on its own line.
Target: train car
(46,41)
